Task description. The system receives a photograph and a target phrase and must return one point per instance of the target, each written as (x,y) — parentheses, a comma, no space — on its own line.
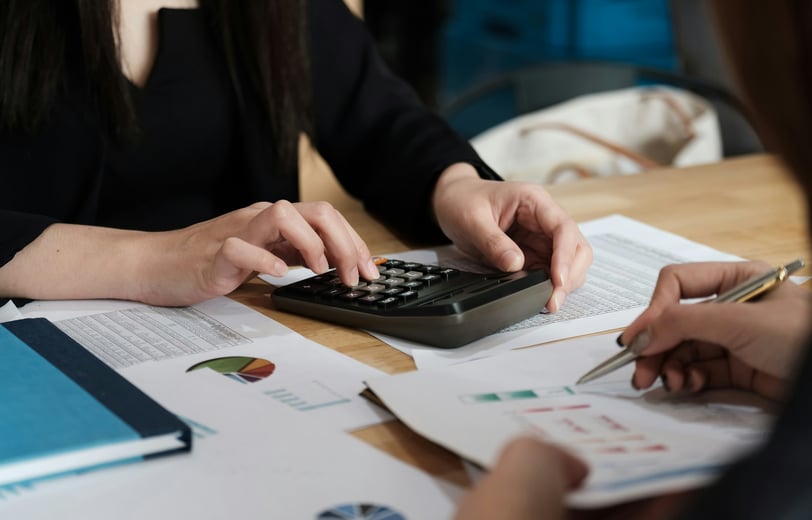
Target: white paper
(628,256)
(307,377)
(9,312)
(637,444)
(248,460)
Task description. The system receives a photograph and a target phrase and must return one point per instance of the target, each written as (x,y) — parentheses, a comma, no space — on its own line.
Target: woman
(149,154)
(762,346)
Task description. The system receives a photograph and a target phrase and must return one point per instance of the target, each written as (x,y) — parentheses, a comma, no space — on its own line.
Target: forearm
(71,262)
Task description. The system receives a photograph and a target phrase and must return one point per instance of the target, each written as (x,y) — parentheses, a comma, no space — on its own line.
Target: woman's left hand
(512,226)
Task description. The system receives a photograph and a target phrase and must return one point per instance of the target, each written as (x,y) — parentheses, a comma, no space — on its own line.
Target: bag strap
(686,122)
(643,162)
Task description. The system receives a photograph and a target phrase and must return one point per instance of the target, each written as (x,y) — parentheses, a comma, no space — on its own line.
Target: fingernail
(664,379)
(354,277)
(619,340)
(563,276)
(640,342)
(690,381)
(279,268)
(510,261)
(372,267)
(554,301)
(322,265)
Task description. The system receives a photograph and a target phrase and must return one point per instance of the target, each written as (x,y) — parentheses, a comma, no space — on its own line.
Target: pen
(741,293)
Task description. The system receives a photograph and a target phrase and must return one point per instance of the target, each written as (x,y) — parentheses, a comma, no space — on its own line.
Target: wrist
(455,173)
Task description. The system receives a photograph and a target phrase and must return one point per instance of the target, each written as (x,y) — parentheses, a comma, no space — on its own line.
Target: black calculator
(430,304)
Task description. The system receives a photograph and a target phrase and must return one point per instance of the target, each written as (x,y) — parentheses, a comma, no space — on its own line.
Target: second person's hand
(753,345)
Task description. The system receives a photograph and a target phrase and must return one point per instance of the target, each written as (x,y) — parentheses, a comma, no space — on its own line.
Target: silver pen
(741,293)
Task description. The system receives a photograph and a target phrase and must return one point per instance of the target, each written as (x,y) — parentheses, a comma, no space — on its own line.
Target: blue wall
(484,38)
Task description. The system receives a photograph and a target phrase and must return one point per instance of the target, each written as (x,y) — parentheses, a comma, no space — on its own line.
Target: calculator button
(332,292)
(411,266)
(448,272)
(370,298)
(351,295)
(412,275)
(394,263)
(388,303)
(392,291)
(375,287)
(393,272)
(412,284)
(407,296)
(431,279)
(308,288)
(391,282)
(378,279)
(431,269)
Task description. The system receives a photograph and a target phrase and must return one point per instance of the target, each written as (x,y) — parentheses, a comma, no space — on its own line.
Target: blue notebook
(63,410)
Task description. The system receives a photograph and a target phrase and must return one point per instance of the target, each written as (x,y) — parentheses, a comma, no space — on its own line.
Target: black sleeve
(775,481)
(47,177)
(17,230)
(386,148)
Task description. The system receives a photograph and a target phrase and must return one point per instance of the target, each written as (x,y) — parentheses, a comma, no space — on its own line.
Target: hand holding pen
(753,346)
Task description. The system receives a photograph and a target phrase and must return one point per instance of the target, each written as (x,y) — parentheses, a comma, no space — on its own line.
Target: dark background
(447,48)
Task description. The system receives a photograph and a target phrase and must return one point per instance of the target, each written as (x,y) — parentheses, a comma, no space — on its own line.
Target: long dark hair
(264,43)
(769,50)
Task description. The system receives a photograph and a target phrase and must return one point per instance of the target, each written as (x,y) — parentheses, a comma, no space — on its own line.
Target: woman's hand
(512,226)
(753,345)
(222,253)
(188,265)
(528,482)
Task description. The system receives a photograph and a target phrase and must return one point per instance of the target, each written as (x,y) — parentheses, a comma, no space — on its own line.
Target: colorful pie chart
(244,369)
(360,512)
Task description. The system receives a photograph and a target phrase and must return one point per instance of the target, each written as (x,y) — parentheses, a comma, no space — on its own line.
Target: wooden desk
(748,207)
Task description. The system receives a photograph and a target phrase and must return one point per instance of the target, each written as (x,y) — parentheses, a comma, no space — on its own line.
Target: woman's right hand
(753,345)
(222,253)
(189,265)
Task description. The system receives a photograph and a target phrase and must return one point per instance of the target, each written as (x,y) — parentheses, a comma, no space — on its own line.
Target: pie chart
(244,369)
(360,512)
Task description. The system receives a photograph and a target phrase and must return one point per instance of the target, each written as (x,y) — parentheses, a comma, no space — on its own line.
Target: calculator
(430,304)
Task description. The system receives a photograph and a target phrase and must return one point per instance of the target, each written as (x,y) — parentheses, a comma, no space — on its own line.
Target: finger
(691,280)
(646,371)
(724,373)
(717,324)
(571,256)
(367,267)
(237,259)
(673,375)
(577,274)
(580,265)
(345,248)
(341,245)
(527,457)
(493,245)
(282,221)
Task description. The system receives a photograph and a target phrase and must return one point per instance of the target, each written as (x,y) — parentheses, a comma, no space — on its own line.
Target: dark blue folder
(63,410)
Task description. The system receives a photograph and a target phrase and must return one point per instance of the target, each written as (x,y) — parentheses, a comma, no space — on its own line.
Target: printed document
(253,351)
(250,459)
(636,443)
